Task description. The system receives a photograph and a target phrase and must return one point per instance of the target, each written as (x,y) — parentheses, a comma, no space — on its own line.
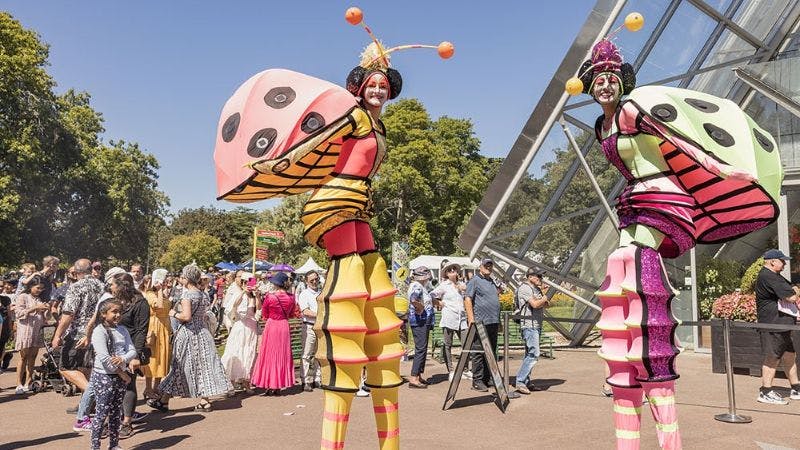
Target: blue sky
(160,71)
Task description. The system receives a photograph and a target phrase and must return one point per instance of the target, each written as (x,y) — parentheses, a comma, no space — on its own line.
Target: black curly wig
(628,77)
(357,77)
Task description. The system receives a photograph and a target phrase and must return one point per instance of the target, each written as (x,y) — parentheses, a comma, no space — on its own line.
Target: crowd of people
(116,325)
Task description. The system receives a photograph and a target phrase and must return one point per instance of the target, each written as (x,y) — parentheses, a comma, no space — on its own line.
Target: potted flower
(745,343)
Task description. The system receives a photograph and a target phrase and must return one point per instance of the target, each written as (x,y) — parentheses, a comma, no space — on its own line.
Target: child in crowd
(29,310)
(114,350)
(27,270)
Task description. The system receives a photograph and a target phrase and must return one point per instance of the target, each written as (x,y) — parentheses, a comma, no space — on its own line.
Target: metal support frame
(588,170)
(768,91)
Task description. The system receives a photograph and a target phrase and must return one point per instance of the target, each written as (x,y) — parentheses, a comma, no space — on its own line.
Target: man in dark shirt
(482,304)
(775,298)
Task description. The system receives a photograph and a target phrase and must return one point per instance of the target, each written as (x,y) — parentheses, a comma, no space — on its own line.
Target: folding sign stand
(501,399)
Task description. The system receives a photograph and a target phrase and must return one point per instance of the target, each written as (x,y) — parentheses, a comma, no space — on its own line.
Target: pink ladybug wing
(287,125)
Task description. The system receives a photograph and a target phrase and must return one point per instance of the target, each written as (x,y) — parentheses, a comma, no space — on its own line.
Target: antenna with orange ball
(354,16)
(633,22)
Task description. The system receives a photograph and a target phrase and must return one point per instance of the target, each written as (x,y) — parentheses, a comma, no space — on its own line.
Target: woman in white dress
(240,349)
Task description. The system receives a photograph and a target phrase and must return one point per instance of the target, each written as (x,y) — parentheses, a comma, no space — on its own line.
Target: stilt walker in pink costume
(698,170)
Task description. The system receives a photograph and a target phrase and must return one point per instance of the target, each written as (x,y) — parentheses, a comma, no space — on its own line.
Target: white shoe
(467,375)
(362,393)
(794,394)
(772,398)
(21,390)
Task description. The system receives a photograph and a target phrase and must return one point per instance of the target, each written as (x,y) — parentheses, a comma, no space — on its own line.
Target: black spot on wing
(261,142)
(312,122)
(280,97)
(763,141)
(230,127)
(702,105)
(719,135)
(664,112)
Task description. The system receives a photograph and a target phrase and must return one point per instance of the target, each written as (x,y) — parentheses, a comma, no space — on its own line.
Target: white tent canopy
(434,262)
(309,266)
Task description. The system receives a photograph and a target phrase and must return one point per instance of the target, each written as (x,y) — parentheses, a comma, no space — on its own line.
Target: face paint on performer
(606,88)
(376,90)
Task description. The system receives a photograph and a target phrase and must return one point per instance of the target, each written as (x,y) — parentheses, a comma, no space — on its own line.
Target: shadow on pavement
(169,422)
(37,442)
(472,401)
(165,442)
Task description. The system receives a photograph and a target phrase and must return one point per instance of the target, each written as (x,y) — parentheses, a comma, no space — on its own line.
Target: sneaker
(479,386)
(467,375)
(513,395)
(308,388)
(125,431)
(20,390)
(83,425)
(772,398)
(138,417)
(362,393)
(522,389)
(794,394)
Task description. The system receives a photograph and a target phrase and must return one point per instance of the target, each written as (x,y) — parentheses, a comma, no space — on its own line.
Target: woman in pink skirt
(274,369)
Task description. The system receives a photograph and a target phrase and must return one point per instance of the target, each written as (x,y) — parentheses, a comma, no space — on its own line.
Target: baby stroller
(46,375)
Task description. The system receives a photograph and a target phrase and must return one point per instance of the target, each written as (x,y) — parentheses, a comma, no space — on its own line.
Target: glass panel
(533,192)
(759,16)
(793,203)
(784,127)
(678,46)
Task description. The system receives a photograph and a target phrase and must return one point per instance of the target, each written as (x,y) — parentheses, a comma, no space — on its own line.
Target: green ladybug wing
(720,156)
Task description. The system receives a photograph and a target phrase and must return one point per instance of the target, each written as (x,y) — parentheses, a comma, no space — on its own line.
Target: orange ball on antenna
(353,15)
(446,49)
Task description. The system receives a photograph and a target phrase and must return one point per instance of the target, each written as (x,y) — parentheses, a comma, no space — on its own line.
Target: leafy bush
(736,306)
(749,278)
(507,300)
(716,277)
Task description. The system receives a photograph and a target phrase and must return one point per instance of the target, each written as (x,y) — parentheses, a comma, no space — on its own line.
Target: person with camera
(530,302)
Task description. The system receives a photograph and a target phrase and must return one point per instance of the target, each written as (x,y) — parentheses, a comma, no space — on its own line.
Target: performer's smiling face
(606,89)
(376,90)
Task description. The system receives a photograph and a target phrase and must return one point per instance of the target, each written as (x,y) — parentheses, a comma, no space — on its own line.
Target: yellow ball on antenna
(634,21)
(574,86)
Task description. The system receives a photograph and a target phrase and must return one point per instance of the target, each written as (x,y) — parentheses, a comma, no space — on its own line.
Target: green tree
(419,240)
(433,172)
(62,190)
(233,228)
(199,247)
(293,248)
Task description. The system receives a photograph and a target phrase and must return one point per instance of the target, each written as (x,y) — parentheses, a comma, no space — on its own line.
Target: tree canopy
(63,190)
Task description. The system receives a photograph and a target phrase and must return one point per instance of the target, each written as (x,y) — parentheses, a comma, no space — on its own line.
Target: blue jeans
(531,337)
(86,402)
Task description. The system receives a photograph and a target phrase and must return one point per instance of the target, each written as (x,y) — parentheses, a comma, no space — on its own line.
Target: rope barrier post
(730,416)
(505,347)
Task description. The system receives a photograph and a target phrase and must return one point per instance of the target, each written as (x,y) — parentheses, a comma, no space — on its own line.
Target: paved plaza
(569,414)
